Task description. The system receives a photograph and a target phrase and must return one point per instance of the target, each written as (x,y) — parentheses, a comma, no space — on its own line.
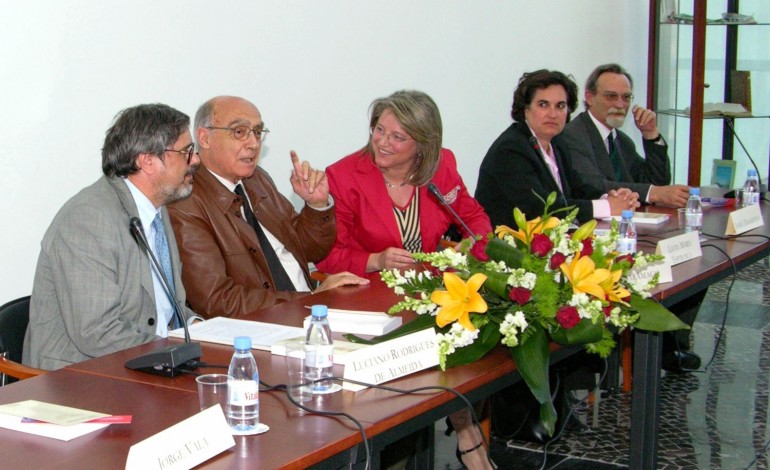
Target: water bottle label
(243,392)
(753,198)
(626,245)
(319,356)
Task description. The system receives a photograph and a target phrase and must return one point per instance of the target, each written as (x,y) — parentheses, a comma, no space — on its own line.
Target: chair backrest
(14,317)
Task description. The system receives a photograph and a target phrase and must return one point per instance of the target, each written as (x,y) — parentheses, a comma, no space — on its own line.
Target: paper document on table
(49,412)
(54,431)
(222,330)
(644,218)
(360,322)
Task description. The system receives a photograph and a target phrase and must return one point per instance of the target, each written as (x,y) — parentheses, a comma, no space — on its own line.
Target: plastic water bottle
(751,188)
(694,212)
(627,229)
(319,350)
(243,389)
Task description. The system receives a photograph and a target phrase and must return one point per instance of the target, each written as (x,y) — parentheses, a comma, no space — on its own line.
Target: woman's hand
(389,259)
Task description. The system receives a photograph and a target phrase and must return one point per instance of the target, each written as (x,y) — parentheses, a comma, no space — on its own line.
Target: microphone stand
(435,191)
(176,359)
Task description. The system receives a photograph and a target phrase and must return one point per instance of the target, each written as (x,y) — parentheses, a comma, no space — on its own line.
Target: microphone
(729,123)
(435,191)
(175,359)
(533,143)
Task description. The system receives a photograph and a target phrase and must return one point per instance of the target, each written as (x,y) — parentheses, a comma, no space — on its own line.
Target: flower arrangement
(523,287)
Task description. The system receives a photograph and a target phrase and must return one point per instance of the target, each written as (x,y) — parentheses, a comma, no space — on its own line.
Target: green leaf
(583,333)
(499,250)
(422,322)
(497,283)
(655,317)
(531,358)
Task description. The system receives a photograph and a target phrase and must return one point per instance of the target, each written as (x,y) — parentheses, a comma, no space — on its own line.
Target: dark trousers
(686,310)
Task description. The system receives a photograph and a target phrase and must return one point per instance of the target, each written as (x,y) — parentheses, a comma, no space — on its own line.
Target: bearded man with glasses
(242,244)
(605,157)
(95,290)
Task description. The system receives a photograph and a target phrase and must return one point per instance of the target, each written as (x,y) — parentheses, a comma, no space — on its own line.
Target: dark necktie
(164,257)
(614,156)
(281,279)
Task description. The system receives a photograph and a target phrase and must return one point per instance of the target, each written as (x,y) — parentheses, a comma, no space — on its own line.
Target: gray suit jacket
(93,292)
(591,162)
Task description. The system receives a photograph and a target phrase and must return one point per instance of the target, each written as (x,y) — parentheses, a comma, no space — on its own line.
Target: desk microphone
(753,163)
(435,191)
(175,359)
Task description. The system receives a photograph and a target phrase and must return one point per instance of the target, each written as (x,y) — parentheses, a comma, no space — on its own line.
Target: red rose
(607,310)
(479,249)
(567,317)
(627,258)
(588,248)
(541,245)
(557,260)
(520,295)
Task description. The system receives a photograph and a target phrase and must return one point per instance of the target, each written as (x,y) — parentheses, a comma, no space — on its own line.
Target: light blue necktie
(161,251)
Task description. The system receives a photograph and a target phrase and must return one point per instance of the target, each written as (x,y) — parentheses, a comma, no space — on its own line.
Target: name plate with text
(645,274)
(744,220)
(680,248)
(391,359)
(185,444)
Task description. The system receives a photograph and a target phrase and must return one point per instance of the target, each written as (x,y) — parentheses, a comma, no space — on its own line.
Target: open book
(722,109)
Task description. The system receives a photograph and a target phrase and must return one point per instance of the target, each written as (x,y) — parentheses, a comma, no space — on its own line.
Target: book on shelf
(740,88)
(722,109)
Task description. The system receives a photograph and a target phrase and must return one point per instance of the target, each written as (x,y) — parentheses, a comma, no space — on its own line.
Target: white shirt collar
(604,131)
(144,206)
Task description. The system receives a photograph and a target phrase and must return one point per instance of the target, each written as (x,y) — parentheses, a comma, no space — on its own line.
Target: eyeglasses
(243,132)
(378,132)
(612,96)
(187,152)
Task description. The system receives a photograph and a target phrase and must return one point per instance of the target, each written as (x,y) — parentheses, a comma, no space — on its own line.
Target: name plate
(680,248)
(391,359)
(744,220)
(643,275)
(185,444)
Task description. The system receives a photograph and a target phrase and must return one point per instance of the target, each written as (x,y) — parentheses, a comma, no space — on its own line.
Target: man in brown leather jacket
(242,255)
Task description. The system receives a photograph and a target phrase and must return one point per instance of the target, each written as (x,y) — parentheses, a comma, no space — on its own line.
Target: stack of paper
(360,322)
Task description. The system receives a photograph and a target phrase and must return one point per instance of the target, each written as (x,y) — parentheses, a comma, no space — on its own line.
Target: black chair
(14,317)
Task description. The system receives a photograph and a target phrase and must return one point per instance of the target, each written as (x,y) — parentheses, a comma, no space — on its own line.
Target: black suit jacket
(513,173)
(591,162)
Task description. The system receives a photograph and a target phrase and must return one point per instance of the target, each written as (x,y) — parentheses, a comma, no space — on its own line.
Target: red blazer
(365,220)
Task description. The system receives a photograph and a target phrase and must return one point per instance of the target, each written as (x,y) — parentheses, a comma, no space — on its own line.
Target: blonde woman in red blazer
(391,173)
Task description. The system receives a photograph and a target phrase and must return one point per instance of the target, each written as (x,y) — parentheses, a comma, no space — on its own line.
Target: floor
(715,418)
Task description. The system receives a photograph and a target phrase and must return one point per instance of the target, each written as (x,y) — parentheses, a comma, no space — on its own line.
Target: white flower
(511,326)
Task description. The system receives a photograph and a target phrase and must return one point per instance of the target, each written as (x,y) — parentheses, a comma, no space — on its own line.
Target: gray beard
(614,121)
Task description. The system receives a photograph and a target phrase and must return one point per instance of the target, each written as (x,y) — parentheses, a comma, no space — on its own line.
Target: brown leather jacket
(223,268)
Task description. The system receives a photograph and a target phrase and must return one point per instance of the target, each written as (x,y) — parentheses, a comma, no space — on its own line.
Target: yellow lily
(459,300)
(614,291)
(584,276)
(533,226)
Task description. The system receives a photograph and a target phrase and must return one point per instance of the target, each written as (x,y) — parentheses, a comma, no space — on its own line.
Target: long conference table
(298,439)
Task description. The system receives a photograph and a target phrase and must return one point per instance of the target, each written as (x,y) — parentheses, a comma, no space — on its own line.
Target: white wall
(311,67)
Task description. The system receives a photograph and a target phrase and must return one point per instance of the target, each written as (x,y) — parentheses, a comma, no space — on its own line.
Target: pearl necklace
(394,186)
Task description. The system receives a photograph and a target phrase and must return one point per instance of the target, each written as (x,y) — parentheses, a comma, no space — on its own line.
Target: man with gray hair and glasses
(605,157)
(243,245)
(96,290)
